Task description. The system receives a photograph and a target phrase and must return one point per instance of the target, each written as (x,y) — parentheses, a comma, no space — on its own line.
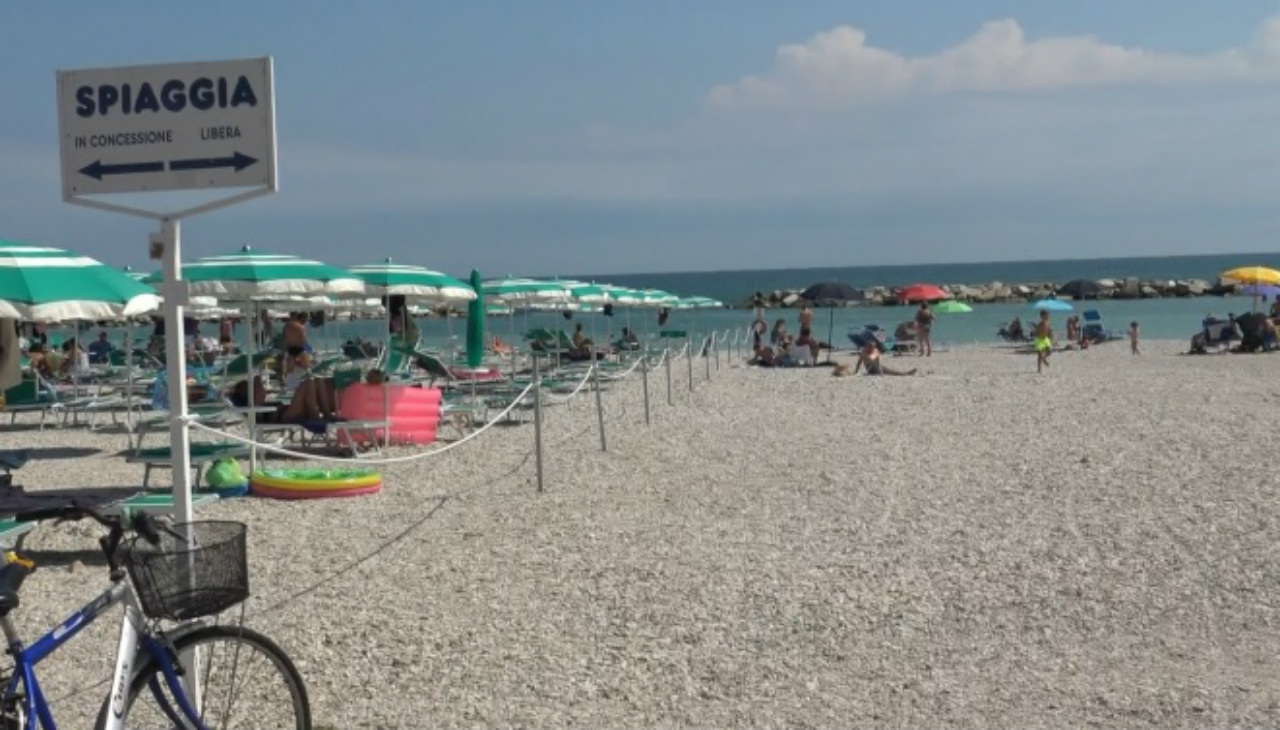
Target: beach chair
(1216,335)
(869,333)
(202,454)
(33,395)
(904,340)
(155,503)
(437,370)
(11,532)
(1093,329)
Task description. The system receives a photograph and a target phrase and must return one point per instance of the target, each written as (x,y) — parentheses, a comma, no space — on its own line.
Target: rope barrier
(551,398)
(276,449)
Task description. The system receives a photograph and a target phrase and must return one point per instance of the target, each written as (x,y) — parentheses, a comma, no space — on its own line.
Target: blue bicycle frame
(131,640)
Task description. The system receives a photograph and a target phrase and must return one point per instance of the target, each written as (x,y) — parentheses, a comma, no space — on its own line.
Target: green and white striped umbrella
(698,303)
(581,291)
(623,295)
(253,275)
(40,283)
(524,290)
(135,275)
(412,282)
(657,298)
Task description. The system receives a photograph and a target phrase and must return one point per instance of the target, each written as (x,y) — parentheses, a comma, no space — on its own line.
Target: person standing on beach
(1043,339)
(1133,338)
(924,329)
(806,316)
(758,329)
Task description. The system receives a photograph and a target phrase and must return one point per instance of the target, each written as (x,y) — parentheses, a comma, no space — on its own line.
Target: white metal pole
(250,371)
(386,381)
(179,435)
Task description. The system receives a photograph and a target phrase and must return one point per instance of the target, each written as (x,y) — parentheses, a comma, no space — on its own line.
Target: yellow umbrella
(1253,275)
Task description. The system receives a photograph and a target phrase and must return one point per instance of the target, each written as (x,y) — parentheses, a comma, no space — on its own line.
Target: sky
(594,137)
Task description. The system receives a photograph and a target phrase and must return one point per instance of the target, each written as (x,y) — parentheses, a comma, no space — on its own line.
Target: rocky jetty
(1127,288)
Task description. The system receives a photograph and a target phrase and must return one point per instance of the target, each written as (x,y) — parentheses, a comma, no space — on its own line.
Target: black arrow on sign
(239,161)
(97,170)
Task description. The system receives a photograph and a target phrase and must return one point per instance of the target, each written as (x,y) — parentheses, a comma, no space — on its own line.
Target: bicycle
(171,678)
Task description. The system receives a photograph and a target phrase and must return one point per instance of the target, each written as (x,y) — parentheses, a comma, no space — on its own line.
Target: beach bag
(225,473)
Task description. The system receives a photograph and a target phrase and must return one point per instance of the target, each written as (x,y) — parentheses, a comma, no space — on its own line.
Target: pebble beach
(976,546)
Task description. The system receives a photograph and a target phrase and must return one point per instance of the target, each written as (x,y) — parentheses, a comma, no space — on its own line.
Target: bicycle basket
(198,569)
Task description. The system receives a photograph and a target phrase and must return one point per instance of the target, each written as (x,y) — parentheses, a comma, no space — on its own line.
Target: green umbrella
(257,276)
(40,283)
(475,323)
(412,282)
(523,290)
(951,306)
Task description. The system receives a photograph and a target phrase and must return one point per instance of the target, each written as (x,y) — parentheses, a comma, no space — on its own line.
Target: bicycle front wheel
(245,682)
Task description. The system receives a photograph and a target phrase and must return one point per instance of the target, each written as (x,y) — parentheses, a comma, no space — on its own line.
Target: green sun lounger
(11,530)
(201,454)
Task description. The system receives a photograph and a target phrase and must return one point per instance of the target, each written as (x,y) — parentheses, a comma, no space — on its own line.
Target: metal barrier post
(537,418)
(671,401)
(689,353)
(644,376)
(595,381)
(706,354)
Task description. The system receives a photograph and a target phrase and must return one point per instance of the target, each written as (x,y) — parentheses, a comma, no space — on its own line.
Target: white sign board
(181,126)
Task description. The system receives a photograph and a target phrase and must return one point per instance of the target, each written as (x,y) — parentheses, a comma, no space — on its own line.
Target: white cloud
(838,69)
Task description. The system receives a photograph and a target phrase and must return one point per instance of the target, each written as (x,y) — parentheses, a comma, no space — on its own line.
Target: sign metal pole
(176,367)
(121,131)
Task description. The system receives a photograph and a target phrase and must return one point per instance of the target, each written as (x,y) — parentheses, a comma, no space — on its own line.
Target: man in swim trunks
(295,336)
(1043,340)
(869,357)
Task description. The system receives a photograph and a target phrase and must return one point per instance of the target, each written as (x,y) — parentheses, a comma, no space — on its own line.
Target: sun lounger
(32,395)
(161,457)
(12,530)
(155,503)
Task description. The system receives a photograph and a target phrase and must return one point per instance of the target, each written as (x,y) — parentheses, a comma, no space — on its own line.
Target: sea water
(1169,318)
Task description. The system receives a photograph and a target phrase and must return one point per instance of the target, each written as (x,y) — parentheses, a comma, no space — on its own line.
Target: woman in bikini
(924,329)
(869,357)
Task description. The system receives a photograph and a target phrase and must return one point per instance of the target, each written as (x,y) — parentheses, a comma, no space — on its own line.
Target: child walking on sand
(1043,339)
(1133,338)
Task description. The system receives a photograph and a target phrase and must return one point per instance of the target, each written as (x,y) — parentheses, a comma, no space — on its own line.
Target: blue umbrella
(1053,305)
(475,323)
(1262,290)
